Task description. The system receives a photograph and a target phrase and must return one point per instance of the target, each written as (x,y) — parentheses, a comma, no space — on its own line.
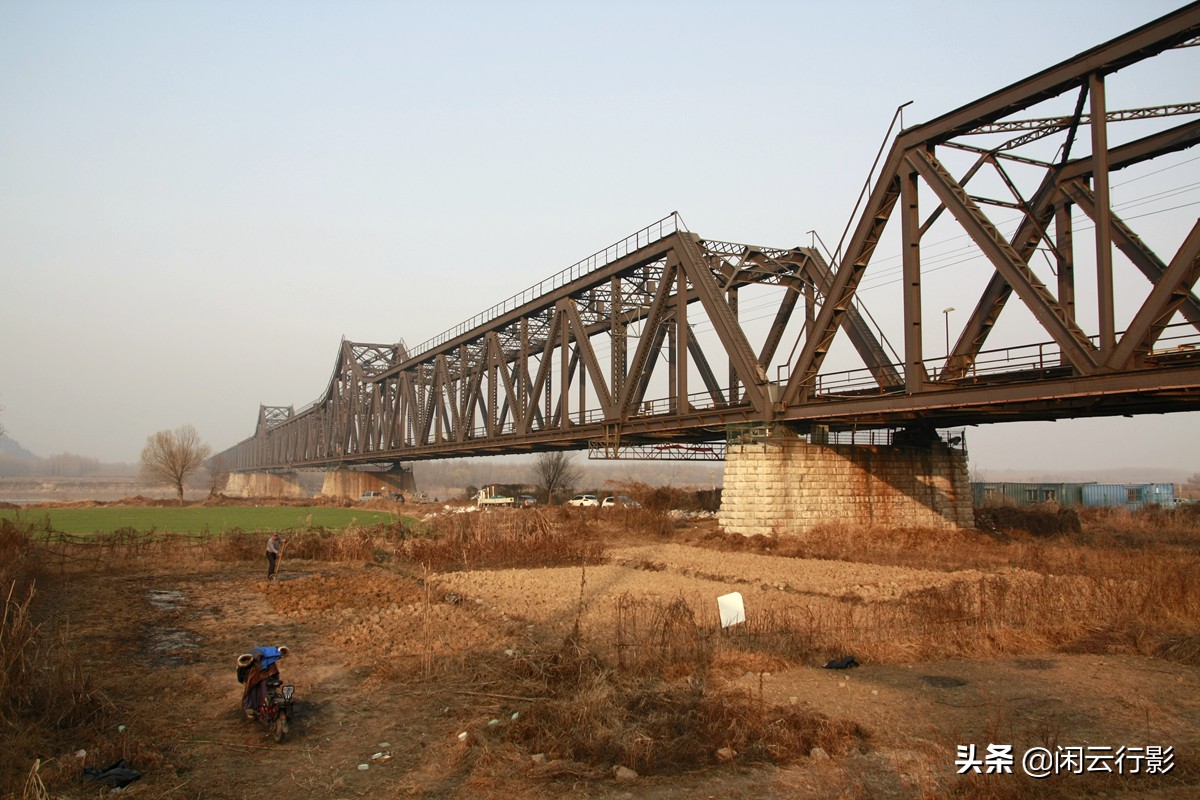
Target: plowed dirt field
(401,687)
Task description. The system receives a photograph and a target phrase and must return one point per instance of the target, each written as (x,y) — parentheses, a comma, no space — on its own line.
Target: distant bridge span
(652,340)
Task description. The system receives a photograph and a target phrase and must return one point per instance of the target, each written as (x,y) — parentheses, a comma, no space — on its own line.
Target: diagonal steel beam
(533,398)
(697,271)
(655,340)
(1148,40)
(705,369)
(1170,292)
(783,315)
(584,345)
(840,297)
(632,390)
(1073,341)
(1033,225)
(870,350)
(1132,246)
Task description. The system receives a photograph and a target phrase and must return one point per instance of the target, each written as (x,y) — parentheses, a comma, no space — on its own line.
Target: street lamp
(946,314)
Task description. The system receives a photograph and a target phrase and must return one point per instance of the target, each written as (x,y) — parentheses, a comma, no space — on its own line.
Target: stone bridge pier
(349,483)
(353,482)
(265,484)
(787,485)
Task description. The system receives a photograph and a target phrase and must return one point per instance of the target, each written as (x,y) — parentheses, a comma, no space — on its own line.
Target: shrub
(45,693)
(1048,520)
(506,539)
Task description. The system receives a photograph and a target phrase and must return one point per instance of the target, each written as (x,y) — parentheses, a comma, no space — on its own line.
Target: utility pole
(946,314)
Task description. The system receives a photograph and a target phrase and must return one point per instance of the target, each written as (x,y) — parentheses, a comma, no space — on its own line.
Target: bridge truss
(648,342)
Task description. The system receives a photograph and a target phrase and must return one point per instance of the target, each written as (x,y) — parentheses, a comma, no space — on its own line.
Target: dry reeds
(652,637)
(659,710)
(17,634)
(1047,520)
(505,539)
(377,543)
(602,717)
(667,498)
(45,693)
(34,789)
(1126,582)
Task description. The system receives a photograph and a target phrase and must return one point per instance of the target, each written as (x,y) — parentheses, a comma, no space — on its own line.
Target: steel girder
(913,161)
(564,367)
(574,359)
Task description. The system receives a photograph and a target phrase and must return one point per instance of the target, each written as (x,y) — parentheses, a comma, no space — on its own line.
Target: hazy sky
(199,199)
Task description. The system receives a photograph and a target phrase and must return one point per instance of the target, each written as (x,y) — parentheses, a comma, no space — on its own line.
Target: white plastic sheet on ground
(731,609)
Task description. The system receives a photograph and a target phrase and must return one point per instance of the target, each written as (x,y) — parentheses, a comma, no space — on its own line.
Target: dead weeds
(648,685)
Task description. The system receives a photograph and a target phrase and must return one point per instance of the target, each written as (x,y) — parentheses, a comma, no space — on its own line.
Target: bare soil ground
(400,674)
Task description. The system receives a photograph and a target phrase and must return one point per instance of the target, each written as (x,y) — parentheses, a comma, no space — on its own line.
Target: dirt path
(163,639)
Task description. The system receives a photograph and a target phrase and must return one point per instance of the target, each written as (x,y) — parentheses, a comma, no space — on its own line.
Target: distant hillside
(16,461)
(11,447)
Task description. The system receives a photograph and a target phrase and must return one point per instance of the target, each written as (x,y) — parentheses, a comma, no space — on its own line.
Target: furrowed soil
(405,680)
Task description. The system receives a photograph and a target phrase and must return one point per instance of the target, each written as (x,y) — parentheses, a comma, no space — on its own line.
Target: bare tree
(555,471)
(218,475)
(171,457)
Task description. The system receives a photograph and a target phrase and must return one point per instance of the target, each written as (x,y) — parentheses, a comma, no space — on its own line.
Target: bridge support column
(787,486)
(352,483)
(264,484)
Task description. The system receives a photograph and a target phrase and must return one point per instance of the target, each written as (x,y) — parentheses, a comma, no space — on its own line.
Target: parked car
(526,501)
(584,500)
(371,496)
(620,501)
(397,496)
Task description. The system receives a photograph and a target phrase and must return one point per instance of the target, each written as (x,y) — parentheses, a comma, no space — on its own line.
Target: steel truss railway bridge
(666,341)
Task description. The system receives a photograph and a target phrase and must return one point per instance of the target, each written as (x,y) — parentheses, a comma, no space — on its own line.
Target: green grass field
(84,521)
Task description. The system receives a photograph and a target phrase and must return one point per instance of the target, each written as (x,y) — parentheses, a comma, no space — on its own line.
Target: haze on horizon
(199,200)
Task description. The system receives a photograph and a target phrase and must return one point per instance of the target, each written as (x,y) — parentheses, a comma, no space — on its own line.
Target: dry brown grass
(1042,520)
(47,698)
(657,703)
(660,727)
(647,686)
(506,539)
(1002,727)
(661,715)
(1124,583)
(376,543)
(666,498)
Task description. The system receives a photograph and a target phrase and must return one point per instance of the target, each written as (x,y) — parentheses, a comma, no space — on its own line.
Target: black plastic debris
(846,662)
(113,776)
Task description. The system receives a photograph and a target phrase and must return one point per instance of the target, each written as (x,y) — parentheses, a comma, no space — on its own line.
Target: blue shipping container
(1025,494)
(1130,495)
(1113,495)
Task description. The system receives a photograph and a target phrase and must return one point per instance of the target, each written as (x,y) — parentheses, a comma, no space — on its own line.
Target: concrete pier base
(352,483)
(264,484)
(787,486)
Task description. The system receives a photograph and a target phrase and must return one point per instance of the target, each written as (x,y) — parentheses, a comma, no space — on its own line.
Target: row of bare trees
(171,457)
(174,456)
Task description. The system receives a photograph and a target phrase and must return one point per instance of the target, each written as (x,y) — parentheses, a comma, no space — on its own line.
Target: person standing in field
(274,545)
